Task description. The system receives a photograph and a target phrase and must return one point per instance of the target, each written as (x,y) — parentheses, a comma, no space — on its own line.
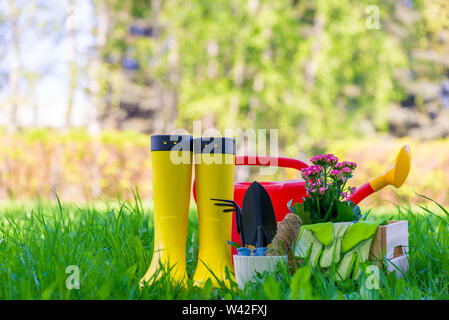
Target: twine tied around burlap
(286,236)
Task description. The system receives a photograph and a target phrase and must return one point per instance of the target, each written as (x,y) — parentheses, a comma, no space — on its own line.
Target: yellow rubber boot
(214,176)
(171,158)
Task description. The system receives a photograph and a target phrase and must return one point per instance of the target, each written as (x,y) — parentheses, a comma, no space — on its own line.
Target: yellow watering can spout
(397,173)
(401,167)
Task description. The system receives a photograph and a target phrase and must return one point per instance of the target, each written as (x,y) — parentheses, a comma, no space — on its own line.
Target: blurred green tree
(315,70)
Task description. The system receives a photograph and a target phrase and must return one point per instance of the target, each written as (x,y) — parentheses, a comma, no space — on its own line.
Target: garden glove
(355,248)
(312,239)
(332,253)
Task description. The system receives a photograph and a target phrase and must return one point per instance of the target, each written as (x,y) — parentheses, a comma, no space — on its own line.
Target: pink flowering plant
(328,192)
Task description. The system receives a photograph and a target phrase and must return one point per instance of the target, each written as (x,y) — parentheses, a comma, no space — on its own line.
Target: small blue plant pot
(243,252)
(260,252)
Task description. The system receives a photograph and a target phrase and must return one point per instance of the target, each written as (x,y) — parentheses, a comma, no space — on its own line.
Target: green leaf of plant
(300,285)
(365,216)
(228,296)
(344,213)
(357,213)
(234,245)
(272,288)
(207,289)
(299,210)
(130,272)
(328,213)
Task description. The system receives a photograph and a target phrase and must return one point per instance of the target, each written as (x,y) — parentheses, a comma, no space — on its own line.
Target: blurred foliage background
(357,78)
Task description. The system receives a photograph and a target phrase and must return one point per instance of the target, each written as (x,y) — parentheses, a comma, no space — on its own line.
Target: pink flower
(315,189)
(351,165)
(316,169)
(331,159)
(317,160)
(346,172)
(324,160)
(346,164)
(335,174)
(312,172)
(344,194)
(315,184)
(305,173)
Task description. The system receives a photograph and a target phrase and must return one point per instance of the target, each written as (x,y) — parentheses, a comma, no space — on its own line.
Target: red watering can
(282,192)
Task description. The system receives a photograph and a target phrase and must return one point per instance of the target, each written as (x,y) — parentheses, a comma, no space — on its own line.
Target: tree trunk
(160,123)
(101,31)
(14,75)
(71,28)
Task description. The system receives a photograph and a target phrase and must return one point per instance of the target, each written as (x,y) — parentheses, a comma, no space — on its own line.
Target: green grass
(112,246)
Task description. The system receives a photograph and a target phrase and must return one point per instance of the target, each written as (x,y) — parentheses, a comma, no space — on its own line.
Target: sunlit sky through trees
(43,57)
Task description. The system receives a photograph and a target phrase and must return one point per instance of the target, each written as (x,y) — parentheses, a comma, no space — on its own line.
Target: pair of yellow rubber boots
(172,165)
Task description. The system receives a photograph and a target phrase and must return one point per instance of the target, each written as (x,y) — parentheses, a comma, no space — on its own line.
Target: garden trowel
(258,218)
(256,221)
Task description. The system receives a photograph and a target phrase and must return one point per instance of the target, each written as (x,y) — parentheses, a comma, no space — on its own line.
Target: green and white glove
(321,243)
(345,245)
(355,248)
(332,253)
(311,241)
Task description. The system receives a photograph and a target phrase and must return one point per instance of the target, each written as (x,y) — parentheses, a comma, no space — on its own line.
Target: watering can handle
(270,161)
